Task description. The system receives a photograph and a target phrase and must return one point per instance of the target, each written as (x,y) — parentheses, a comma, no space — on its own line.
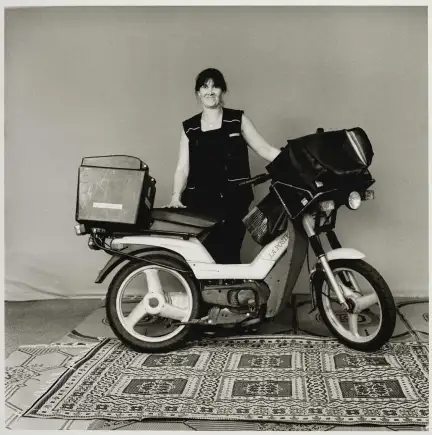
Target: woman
(213,157)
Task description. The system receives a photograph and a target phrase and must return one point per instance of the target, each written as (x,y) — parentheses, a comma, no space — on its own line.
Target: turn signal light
(80,230)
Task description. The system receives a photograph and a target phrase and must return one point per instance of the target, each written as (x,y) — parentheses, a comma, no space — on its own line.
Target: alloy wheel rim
(337,324)
(154,320)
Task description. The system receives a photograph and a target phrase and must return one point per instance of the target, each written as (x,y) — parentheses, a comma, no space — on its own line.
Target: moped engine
(235,293)
(234,301)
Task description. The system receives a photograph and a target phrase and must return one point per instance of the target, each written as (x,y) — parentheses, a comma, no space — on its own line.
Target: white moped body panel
(191,250)
(344,253)
(203,264)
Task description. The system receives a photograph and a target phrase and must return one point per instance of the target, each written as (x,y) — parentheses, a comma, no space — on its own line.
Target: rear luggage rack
(185,236)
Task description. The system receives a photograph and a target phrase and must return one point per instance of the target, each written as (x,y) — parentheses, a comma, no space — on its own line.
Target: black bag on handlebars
(322,156)
(115,192)
(319,162)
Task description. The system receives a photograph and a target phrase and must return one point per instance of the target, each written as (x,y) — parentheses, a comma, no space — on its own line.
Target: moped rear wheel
(146,303)
(370,328)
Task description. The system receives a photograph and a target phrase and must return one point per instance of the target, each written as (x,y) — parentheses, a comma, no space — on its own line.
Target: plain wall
(91,81)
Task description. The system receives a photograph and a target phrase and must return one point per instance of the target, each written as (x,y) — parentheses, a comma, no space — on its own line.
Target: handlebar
(262,178)
(258,179)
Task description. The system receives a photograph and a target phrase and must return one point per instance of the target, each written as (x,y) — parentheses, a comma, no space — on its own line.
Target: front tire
(132,336)
(385,306)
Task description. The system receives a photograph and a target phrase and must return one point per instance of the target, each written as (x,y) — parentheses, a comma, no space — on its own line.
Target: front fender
(118,259)
(344,253)
(339,254)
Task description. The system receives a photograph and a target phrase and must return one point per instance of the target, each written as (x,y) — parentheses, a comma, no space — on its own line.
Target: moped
(168,287)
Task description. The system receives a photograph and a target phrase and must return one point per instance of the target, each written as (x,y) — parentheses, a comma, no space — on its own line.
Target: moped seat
(182,219)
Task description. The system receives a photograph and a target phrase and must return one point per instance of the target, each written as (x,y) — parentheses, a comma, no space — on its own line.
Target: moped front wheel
(371,324)
(146,303)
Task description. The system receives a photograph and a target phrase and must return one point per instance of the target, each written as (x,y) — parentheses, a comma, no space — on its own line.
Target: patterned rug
(273,379)
(416,315)
(32,369)
(29,373)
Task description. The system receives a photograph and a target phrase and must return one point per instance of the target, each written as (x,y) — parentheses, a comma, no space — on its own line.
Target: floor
(64,320)
(39,322)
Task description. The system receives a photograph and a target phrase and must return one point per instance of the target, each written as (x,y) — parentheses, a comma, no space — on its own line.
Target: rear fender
(118,259)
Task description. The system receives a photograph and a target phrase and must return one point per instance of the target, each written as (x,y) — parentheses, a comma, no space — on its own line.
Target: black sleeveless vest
(234,149)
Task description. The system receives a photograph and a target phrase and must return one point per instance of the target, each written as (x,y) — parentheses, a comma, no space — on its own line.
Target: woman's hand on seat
(175,203)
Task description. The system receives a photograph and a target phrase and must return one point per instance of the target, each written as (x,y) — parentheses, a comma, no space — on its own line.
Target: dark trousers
(225,240)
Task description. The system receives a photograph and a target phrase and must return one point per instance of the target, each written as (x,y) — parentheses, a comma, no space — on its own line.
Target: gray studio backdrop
(91,81)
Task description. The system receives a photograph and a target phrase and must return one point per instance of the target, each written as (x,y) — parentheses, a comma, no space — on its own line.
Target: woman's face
(209,95)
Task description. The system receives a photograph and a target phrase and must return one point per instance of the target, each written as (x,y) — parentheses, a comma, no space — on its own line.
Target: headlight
(354,200)
(327,205)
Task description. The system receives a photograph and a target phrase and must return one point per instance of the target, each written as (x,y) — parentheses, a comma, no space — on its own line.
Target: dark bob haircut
(215,75)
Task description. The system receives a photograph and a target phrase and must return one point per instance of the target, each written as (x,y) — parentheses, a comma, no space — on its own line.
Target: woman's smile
(210,94)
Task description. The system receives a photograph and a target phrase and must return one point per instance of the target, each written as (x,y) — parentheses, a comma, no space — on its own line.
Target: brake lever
(244,183)
(254,181)
(261,179)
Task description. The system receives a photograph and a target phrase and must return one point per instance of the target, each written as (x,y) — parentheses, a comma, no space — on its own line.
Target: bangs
(211,74)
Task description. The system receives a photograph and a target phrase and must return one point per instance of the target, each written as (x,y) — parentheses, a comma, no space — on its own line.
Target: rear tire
(385,299)
(116,319)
